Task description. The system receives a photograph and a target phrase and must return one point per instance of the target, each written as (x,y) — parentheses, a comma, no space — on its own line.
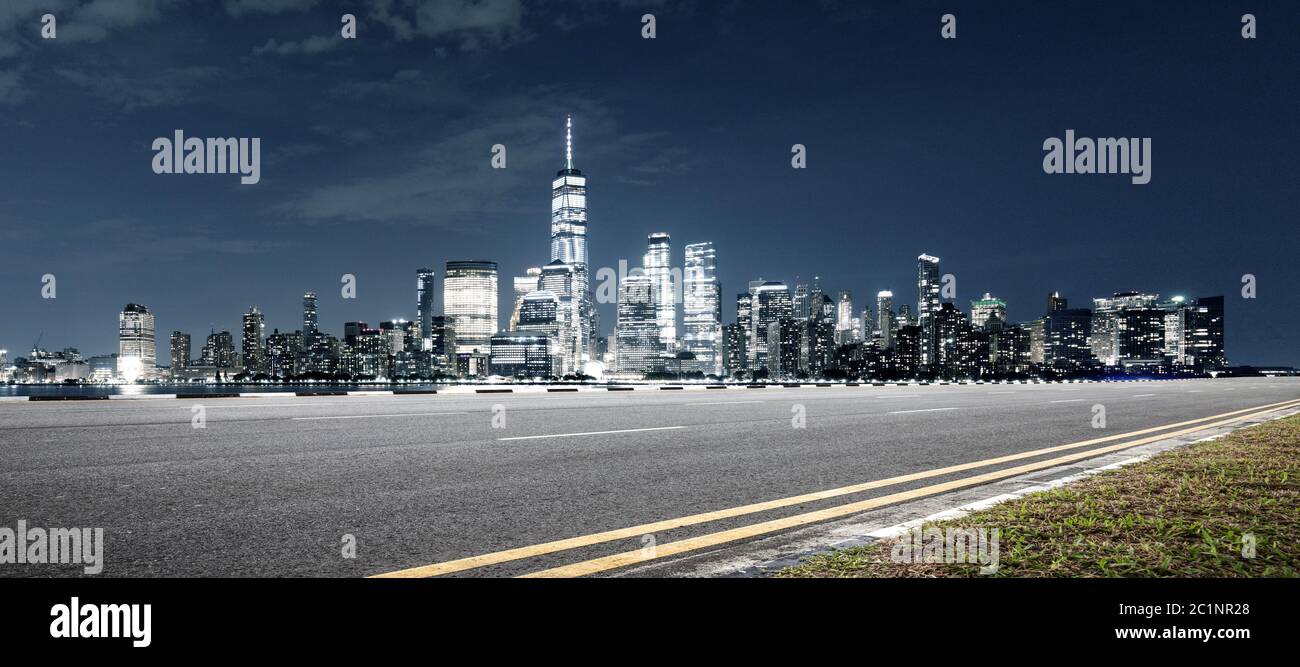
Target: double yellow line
(714,539)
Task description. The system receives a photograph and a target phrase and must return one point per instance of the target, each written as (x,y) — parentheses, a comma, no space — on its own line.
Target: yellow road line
(744,532)
(531,551)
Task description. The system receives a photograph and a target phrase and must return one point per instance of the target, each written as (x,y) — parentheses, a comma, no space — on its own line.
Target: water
(231,388)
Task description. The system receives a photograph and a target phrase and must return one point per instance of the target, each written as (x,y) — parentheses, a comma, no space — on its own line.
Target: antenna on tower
(568,142)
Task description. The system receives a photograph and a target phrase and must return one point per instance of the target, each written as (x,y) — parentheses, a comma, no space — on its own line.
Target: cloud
(448,181)
(309,46)
(95,21)
(243,7)
(472,22)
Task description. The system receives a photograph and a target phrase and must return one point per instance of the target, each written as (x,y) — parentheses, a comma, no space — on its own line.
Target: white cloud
(471,21)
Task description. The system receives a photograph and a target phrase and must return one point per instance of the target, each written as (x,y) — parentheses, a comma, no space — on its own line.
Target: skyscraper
(819,345)
(136,348)
(844,319)
(658,266)
(1203,334)
(1121,327)
(561,281)
(542,313)
(1064,337)
(702,307)
(637,329)
(424,291)
(927,304)
(745,329)
(469,294)
(254,337)
(904,317)
(885,318)
(772,301)
(309,328)
(1056,302)
(985,307)
(802,304)
(523,285)
(219,350)
(180,351)
(569,238)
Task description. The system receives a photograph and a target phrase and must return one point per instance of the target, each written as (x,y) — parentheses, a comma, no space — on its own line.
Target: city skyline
(950,170)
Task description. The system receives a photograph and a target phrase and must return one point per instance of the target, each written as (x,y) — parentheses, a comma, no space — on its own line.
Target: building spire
(568,142)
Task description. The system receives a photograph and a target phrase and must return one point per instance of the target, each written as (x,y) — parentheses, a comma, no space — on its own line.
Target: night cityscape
(778,333)
(831,296)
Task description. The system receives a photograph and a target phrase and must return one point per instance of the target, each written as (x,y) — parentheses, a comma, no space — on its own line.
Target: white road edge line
(903,412)
(570,435)
(1070,400)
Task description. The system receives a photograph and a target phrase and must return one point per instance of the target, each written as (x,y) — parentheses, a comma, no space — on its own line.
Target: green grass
(1180,514)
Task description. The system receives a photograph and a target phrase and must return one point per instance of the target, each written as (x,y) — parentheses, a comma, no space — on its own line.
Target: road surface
(273,486)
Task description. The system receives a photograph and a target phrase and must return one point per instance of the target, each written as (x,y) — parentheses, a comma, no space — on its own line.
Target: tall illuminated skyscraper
(885,318)
(637,329)
(927,304)
(254,332)
(136,348)
(469,294)
(309,323)
(658,266)
(702,307)
(844,319)
(771,302)
(180,351)
(424,291)
(569,238)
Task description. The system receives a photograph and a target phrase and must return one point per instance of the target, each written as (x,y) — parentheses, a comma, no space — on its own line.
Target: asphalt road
(271,485)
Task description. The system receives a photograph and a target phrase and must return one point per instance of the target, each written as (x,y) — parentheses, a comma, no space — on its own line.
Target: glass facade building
(637,329)
(521,354)
(469,294)
(658,266)
(425,284)
(927,305)
(136,347)
(885,324)
(569,238)
(772,301)
(702,307)
(253,342)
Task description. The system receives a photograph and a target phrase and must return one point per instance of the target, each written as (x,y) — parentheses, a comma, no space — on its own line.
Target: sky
(376,152)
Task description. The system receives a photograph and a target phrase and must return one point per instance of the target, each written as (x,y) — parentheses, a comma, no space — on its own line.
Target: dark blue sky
(375,152)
